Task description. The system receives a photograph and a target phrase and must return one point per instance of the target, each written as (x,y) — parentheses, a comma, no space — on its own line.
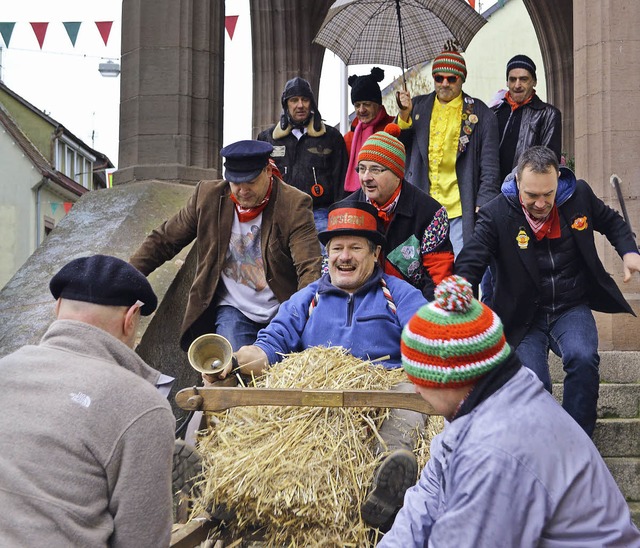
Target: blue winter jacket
(362,322)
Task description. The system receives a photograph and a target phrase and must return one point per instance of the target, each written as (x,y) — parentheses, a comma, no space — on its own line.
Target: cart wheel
(187,465)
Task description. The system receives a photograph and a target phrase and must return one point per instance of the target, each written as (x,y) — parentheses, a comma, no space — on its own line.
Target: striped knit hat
(454,340)
(385,149)
(450,61)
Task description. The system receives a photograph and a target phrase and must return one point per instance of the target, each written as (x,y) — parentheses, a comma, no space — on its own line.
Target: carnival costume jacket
(513,469)
(539,124)
(316,163)
(502,232)
(289,244)
(417,249)
(87,444)
(477,166)
(363,322)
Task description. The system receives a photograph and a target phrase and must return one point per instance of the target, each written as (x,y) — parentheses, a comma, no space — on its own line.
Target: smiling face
(351,261)
(366,111)
(299,108)
(520,84)
(538,191)
(447,91)
(252,193)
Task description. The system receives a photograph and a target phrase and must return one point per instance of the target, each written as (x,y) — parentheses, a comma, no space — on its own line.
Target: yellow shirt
(444,133)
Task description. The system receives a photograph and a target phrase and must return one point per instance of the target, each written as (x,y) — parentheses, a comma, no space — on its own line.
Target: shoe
(398,472)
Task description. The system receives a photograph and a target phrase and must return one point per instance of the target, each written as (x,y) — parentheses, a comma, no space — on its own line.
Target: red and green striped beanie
(454,340)
(385,149)
(450,61)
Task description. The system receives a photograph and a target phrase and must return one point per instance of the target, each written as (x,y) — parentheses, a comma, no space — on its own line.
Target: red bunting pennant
(67,206)
(230,22)
(105,28)
(472,3)
(40,30)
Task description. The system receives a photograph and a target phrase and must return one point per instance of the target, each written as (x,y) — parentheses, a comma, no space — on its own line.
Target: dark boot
(397,472)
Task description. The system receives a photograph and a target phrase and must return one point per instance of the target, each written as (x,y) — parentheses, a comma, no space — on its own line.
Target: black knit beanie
(522,62)
(366,88)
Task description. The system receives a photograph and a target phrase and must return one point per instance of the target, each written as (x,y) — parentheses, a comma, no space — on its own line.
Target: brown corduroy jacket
(290,247)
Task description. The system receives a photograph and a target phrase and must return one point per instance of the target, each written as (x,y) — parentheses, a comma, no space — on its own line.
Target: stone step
(615,400)
(615,367)
(635,512)
(626,472)
(618,437)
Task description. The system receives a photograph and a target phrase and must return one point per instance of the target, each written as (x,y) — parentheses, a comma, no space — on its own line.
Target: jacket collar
(566,187)
(74,336)
(279,133)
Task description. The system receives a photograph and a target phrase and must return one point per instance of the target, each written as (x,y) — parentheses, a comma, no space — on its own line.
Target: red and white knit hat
(384,148)
(454,340)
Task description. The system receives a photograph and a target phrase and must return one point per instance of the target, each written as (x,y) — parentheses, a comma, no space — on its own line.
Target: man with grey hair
(540,233)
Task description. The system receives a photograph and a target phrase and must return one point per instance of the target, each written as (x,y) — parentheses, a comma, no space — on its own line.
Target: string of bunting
(55,205)
(40,30)
(73,27)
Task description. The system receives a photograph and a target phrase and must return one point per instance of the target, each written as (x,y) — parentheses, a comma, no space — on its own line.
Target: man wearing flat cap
(256,244)
(87,438)
(310,155)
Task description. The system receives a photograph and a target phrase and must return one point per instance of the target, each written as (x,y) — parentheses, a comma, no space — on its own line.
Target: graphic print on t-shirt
(243,263)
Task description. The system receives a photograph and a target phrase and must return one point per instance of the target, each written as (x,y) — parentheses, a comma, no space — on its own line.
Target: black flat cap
(106,280)
(245,160)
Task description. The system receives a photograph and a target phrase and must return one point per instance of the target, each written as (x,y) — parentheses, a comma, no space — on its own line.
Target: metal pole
(344,98)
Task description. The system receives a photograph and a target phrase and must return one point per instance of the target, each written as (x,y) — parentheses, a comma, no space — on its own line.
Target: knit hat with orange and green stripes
(385,149)
(454,340)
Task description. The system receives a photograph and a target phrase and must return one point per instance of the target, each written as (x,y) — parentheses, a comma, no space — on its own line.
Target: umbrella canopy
(370,31)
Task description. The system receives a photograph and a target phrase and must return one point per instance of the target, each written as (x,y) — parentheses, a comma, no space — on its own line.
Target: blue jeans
(455,234)
(573,335)
(236,327)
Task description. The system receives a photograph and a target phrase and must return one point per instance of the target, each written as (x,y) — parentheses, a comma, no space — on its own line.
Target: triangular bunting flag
(472,3)
(72,30)
(105,28)
(54,207)
(230,22)
(67,206)
(40,30)
(6,29)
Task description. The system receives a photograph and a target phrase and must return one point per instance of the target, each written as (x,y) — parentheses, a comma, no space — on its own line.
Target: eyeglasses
(451,79)
(374,170)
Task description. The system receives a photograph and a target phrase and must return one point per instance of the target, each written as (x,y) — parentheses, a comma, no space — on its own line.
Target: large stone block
(113,222)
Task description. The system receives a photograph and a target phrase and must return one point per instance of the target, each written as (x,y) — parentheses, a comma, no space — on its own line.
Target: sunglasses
(451,79)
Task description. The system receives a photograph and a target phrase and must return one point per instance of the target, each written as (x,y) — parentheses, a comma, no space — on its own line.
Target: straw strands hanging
(300,474)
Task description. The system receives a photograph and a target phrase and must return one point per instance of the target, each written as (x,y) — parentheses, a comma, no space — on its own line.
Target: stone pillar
(171,90)
(553,22)
(282,32)
(607,95)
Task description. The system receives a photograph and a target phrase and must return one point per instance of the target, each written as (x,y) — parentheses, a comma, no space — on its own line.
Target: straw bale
(300,474)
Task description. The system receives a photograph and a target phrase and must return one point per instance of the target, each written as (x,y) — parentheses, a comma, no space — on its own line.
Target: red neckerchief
(385,211)
(246,214)
(549,227)
(515,105)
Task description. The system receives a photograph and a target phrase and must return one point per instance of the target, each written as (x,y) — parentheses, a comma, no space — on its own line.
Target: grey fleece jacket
(86,444)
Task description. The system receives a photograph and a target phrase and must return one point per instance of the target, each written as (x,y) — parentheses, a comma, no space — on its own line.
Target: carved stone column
(282,32)
(607,95)
(171,90)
